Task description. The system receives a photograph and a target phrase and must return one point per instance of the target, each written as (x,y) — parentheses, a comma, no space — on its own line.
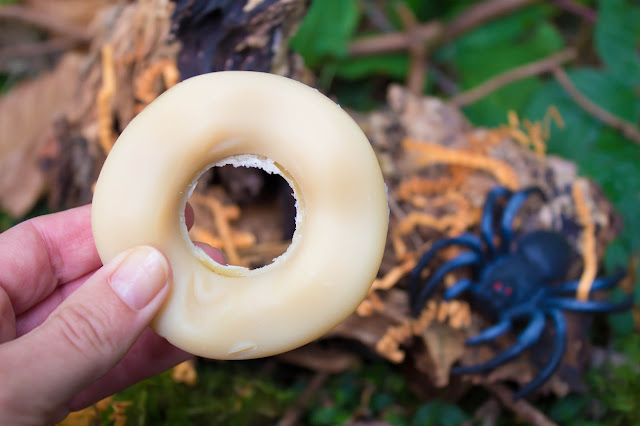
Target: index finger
(42,253)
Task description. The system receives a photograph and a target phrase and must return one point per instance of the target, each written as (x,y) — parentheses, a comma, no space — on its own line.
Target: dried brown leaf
(445,346)
(26,115)
(76,12)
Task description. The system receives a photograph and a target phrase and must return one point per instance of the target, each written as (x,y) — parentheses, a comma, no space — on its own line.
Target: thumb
(87,334)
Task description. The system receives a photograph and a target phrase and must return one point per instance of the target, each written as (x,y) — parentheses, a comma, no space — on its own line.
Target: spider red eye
(497,286)
(508,291)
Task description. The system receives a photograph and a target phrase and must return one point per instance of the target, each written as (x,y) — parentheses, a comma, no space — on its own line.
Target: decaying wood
(145,58)
(440,188)
(129,40)
(26,115)
(224,35)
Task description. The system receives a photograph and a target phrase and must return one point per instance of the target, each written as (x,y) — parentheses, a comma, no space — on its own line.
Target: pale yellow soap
(282,126)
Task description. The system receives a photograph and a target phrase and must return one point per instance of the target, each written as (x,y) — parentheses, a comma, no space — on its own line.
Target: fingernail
(140,276)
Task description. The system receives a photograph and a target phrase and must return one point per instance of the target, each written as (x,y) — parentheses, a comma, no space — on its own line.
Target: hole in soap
(256,214)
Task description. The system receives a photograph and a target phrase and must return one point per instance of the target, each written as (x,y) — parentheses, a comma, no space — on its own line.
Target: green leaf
(568,408)
(497,47)
(394,65)
(478,62)
(381,401)
(492,110)
(599,87)
(437,413)
(326,30)
(617,34)
(515,27)
(426,10)
(621,324)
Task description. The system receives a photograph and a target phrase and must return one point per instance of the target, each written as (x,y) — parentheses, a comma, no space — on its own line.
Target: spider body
(517,281)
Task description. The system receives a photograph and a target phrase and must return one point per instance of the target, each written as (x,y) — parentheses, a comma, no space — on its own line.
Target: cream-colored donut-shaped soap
(282,126)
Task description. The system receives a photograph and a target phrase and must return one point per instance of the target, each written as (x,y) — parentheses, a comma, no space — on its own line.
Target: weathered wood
(223,35)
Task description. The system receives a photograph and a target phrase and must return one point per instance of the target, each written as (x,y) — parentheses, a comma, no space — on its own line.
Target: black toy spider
(513,282)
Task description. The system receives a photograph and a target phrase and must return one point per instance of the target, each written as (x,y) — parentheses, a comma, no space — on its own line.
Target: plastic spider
(514,282)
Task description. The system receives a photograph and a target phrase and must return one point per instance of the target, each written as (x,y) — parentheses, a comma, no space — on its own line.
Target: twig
(292,417)
(577,9)
(626,128)
(418,51)
(487,414)
(522,408)
(44,21)
(377,17)
(433,33)
(481,13)
(396,42)
(547,64)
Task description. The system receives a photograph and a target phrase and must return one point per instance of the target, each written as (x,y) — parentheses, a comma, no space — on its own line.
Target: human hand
(71,330)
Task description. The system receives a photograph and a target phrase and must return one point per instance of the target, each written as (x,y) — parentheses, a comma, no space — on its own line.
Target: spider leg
(528,338)
(510,212)
(457,289)
(598,284)
(467,240)
(559,345)
(464,259)
(490,333)
(486,224)
(589,305)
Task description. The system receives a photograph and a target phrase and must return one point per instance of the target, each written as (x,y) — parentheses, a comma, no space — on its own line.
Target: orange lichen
(415,219)
(394,275)
(426,317)
(434,154)
(416,190)
(106,137)
(370,305)
(419,185)
(399,247)
(588,241)
(513,129)
(452,224)
(241,239)
(185,373)
(372,302)
(453,200)
(480,142)
(104,404)
(389,344)
(84,417)
(222,215)
(456,313)
(91,415)
(119,415)
(552,115)
(535,134)
(224,229)
(144,84)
